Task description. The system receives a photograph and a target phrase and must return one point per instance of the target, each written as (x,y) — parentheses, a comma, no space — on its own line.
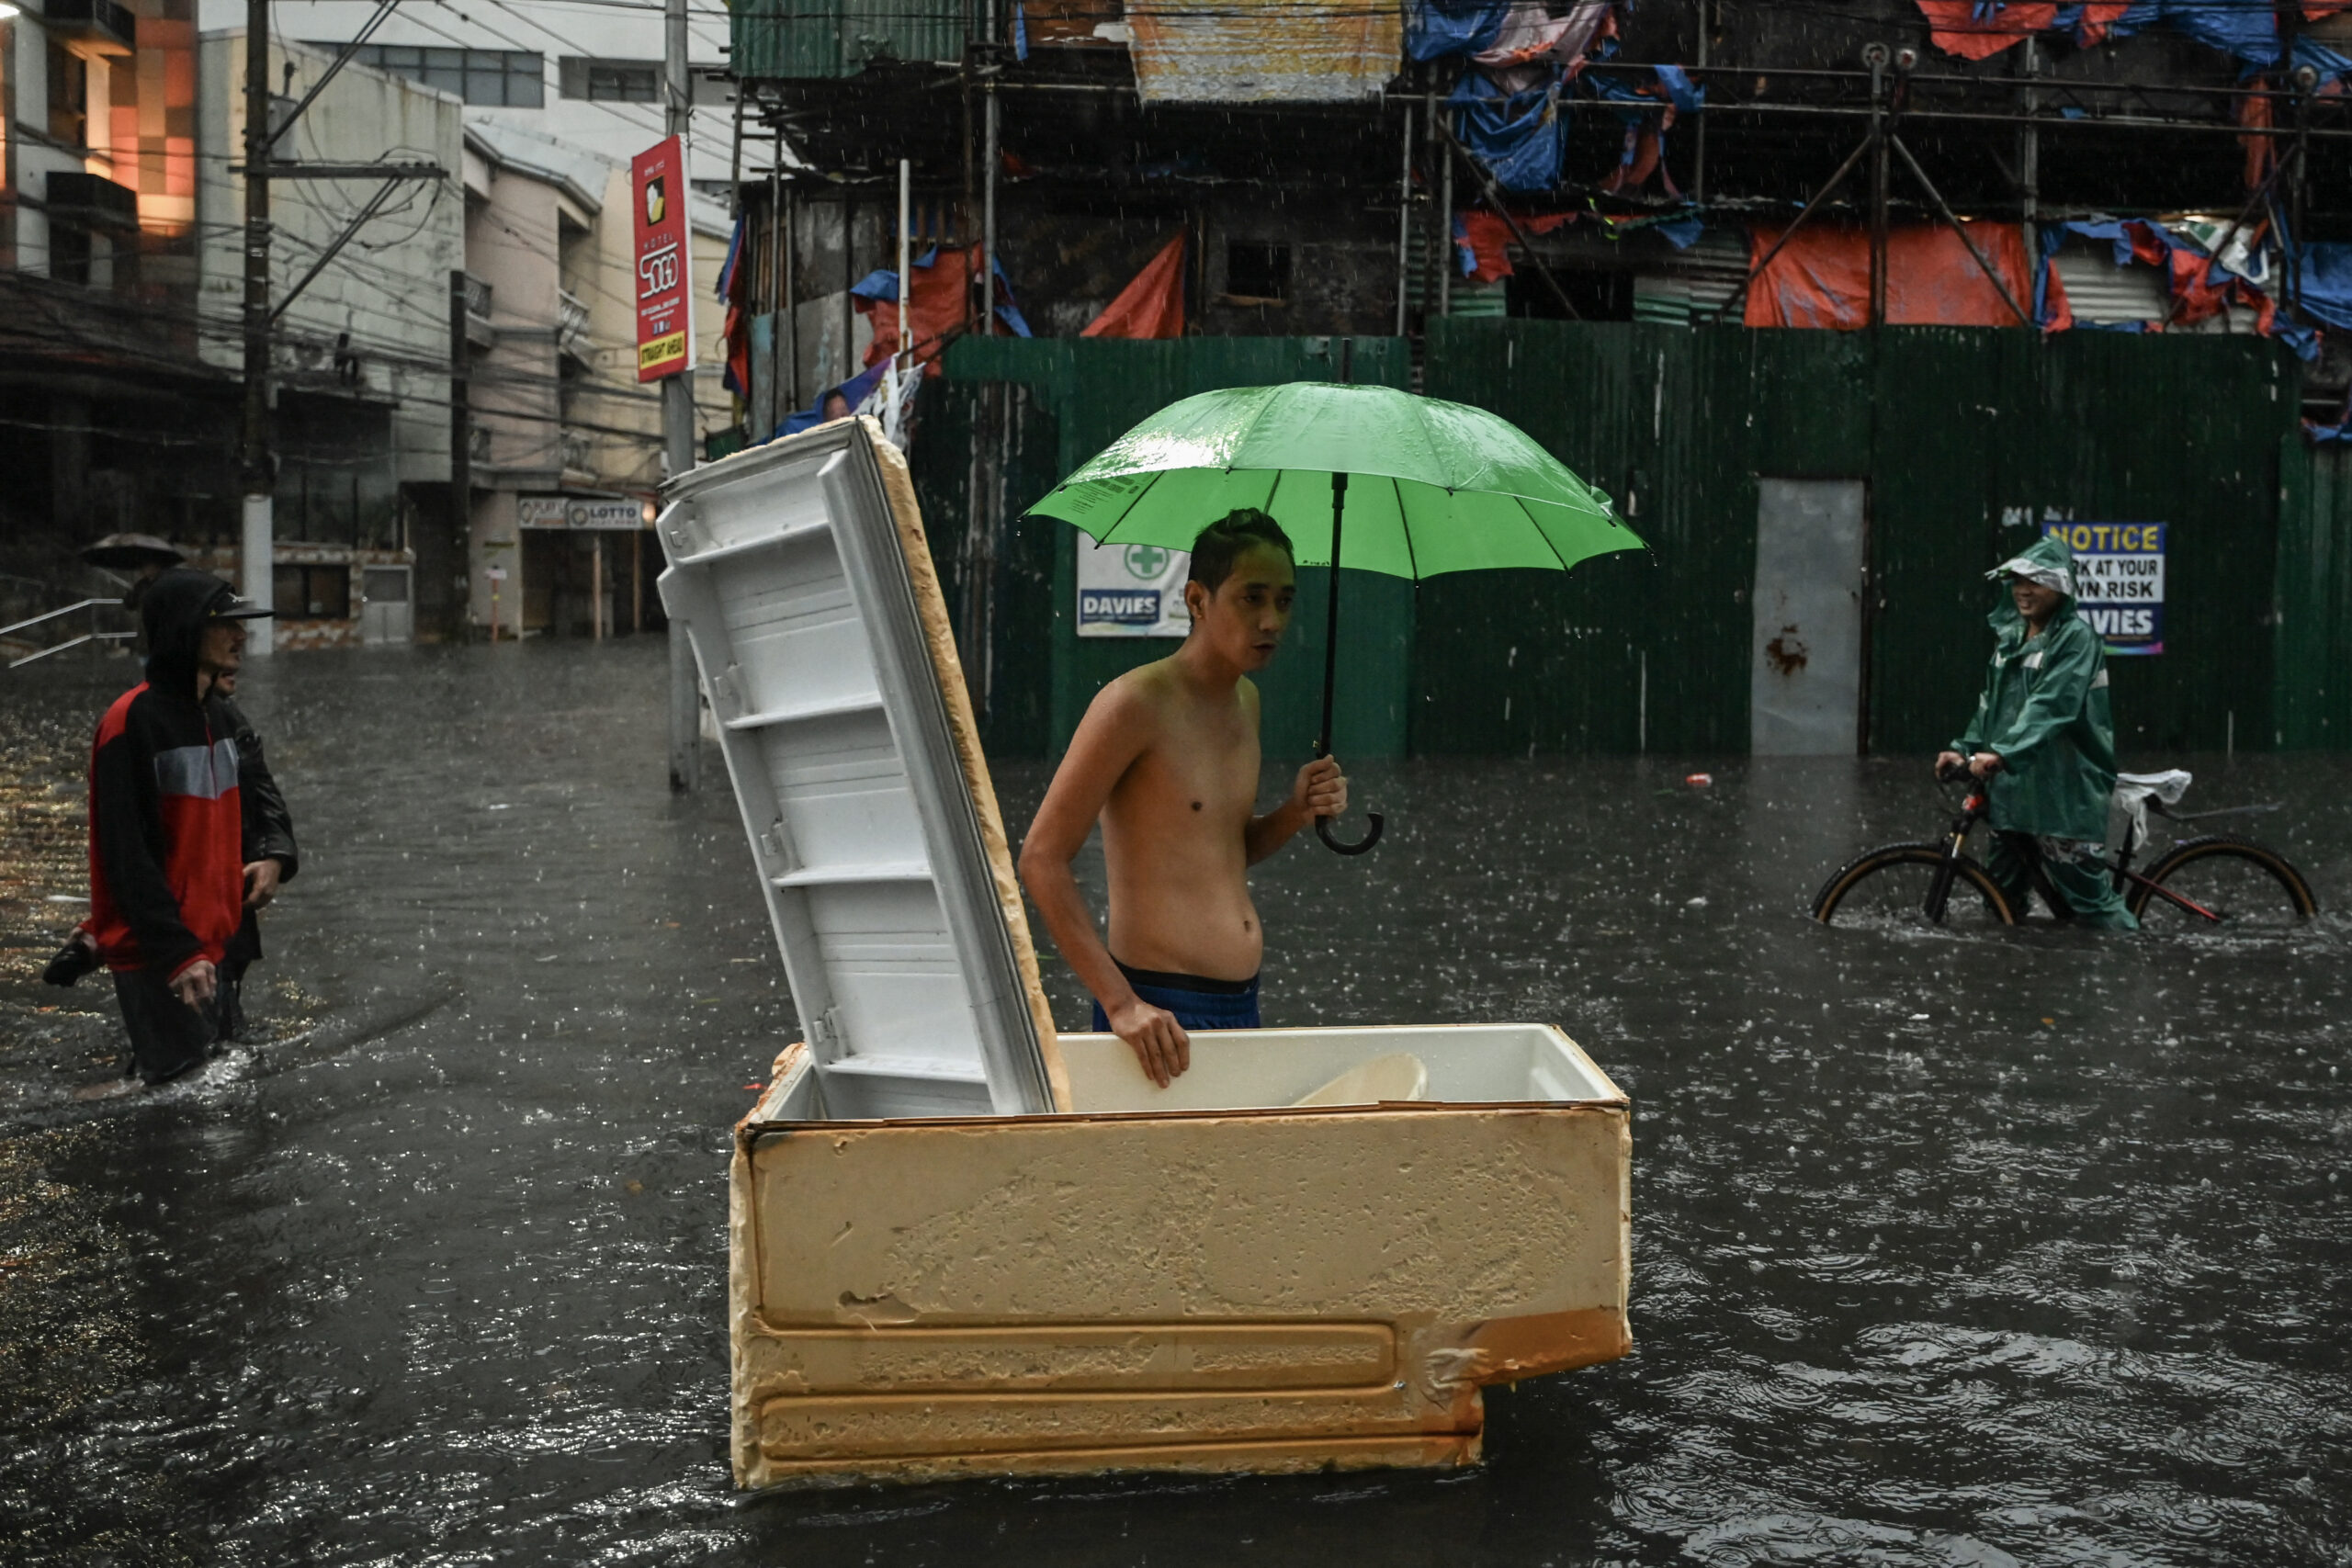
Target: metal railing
(95,606)
(570,321)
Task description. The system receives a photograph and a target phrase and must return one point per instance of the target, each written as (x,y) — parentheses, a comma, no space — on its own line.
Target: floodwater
(2029,1246)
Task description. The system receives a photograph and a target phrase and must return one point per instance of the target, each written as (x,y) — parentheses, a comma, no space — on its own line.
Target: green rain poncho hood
(2044,711)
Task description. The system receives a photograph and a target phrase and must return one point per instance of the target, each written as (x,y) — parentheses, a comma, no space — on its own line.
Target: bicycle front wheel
(2248,885)
(1891,886)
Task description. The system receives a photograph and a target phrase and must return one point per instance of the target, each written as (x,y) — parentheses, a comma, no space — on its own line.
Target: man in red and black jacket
(167,833)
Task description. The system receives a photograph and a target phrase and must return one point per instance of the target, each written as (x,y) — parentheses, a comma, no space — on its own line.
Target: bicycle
(2216,879)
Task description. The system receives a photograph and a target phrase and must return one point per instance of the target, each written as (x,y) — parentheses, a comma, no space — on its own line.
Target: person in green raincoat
(2044,741)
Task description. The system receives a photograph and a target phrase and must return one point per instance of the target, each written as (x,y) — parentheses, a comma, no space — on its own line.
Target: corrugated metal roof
(1264,52)
(2103,294)
(1695,283)
(1465,297)
(789,39)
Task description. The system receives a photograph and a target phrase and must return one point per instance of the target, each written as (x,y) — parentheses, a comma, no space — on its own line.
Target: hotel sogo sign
(665,317)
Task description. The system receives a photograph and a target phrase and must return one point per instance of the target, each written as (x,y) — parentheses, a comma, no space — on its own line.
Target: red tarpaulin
(935,305)
(1821,278)
(1489,238)
(1153,304)
(1972,32)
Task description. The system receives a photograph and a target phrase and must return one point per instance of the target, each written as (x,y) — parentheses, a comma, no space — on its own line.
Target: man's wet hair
(1223,542)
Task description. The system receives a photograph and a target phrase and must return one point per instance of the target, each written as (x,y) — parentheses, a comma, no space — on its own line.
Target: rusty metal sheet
(1263,51)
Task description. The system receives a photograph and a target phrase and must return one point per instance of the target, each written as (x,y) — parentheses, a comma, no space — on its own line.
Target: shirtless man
(1167,757)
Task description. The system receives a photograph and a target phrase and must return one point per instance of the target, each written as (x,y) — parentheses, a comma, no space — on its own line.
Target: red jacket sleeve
(128,826)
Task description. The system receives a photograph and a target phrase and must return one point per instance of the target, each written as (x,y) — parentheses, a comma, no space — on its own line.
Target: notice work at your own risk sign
(2119,580)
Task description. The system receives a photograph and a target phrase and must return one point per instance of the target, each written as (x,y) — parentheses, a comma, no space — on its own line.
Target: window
(1257,274)
(312,593)
(624,82)
(69,96)
(508,78)
(334,471)
(636,81)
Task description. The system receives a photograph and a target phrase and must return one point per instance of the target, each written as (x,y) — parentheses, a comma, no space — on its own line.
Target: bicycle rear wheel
(1889,885)
(2249,885)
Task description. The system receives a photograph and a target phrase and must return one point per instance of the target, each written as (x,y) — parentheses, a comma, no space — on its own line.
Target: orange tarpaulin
(935,305)
(1821,278)
(1489,238)
(1957,28)
(1153,304)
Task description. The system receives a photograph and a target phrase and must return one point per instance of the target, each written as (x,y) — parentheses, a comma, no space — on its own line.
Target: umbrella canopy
(1433,487)
(128,552)
(1369,478)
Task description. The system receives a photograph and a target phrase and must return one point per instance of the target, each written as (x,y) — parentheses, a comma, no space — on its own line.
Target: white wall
(550,28)
(389,288)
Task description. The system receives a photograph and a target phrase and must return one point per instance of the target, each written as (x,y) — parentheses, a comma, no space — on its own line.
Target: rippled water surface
(2030,1247)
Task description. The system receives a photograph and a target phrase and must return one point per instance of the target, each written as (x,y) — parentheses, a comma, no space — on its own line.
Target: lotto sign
(666,313)
(2119,580)
(597,513)
(1131,591)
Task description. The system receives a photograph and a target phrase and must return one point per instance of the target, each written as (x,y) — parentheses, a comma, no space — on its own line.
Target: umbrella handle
(1323,832)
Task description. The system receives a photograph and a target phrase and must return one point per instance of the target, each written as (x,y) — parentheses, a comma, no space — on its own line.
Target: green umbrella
(1436,487)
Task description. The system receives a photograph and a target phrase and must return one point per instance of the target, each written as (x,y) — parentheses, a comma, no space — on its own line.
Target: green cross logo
(1146,562)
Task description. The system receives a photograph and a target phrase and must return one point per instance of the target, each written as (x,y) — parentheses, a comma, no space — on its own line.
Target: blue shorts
(1197,1002)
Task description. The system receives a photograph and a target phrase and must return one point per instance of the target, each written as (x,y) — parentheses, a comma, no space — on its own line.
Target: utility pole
(678,410)
(461,454)
(259,533)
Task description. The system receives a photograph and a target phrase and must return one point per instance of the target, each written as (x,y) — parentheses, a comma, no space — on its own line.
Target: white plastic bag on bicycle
(2127,809)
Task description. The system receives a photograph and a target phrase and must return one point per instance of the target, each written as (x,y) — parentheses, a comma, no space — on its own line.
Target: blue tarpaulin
(2243,29)
(1518,136)
(1437,28)
(1686,98)
(1682,232)
(2326,283)
(857,389)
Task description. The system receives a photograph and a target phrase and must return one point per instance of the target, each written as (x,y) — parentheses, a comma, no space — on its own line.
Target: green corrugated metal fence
(1966,439)
(1094,391)
(2314,672)
(1952,429)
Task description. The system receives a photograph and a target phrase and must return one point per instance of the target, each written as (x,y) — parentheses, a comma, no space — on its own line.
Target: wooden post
(1405,222)
(1876,56)
(596,586)
(990,156)
(1699,136)
(637,583)
(848,275)
(1446,267)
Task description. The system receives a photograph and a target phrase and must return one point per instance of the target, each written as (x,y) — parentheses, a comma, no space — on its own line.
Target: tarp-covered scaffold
(1821,278)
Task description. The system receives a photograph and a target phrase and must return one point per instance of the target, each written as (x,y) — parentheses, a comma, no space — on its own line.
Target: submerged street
(1949,1248)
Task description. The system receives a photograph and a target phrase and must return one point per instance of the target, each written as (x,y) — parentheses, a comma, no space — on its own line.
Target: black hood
(175,611)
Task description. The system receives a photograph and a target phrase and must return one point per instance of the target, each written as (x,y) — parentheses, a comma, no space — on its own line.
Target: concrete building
(584,75)
(360,355)
(110,419)
(567,443)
